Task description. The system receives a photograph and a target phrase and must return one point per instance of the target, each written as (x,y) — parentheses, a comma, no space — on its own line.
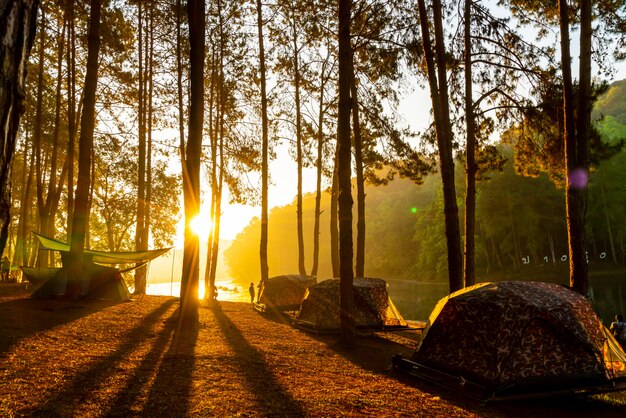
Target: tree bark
(21,256)
(299,209)
(179,83)
(318,179)
(579,274)
(85,144)
(148,199)
(213,141)
(217,184)
(576,143)
(17,34)
(344,156)
(334,219)
(264,152)
(470,159)
(42,258)
(360,180)
(218,215)
(140,273)
(53,192)
(188,317)
(438,84)
(71,111)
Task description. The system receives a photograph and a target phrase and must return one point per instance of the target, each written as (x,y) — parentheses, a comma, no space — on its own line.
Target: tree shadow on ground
(125,404)
(271,397)
(557,407)
(79,389)
(50,314)
(276,316)
(371,353)
(171,391)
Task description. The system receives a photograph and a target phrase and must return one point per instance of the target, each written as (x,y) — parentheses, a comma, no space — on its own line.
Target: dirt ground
(93,358)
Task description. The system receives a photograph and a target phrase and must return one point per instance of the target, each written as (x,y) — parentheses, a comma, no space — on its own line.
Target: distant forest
(519,216)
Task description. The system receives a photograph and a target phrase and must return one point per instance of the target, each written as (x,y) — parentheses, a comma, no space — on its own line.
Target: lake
(416,300)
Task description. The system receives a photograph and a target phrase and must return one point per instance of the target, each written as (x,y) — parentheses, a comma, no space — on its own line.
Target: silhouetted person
(5,268)
(251,290)
(618,329)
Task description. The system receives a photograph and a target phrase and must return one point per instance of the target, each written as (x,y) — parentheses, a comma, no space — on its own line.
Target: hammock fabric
(103,257)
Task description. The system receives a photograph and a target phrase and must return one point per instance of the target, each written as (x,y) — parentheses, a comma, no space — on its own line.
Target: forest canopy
(520,223)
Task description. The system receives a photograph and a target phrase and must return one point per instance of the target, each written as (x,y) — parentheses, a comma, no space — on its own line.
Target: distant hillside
(612,103)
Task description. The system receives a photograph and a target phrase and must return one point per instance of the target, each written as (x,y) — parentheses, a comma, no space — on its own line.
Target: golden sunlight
(201,225)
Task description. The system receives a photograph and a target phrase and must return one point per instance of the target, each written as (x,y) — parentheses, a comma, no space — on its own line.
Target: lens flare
(578,178)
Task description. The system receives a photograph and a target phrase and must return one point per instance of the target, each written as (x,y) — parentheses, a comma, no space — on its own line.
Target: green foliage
(611,129)
(520,228)
(612,103)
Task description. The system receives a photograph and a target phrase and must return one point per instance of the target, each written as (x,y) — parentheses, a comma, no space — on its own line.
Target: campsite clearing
(95,358)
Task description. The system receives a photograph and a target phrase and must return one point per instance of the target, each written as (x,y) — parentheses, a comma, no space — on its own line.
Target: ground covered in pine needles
(93,358)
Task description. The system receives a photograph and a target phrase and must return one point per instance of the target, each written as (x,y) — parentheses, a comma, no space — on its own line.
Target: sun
(201,225)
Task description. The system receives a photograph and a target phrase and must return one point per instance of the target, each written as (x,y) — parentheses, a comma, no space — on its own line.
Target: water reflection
(607,292)
(226,290)
(416,300)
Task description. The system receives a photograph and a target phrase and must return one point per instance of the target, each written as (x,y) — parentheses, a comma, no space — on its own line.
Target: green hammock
(103,257)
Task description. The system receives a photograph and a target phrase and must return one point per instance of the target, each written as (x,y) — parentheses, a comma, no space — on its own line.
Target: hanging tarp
(36,275)
(103,257)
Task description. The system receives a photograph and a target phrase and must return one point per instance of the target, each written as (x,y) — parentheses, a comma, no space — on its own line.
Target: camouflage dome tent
(97,281)
(373,309)
(283,293)
(517,340)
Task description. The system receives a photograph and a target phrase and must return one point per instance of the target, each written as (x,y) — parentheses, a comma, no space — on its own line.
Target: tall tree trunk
(55,198)
(579,275)
(218,216)
(21,256)
(191,180)
(179,83)
(299,209)
(92,188)
(71,111)
(344,156)
(42,258)
(140,273)
(85,144)
(264,152)
(146,228)
(576,142)
(470,159)
(51,202)
(334,218)
(17,34)
(216,187)
(318,179)
(360,180)
(213,139)
(438,84)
